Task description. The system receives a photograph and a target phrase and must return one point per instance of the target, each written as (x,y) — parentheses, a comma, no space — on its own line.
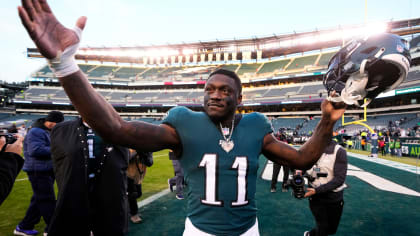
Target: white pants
(191,230)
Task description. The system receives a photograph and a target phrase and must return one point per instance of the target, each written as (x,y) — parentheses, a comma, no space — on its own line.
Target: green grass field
(292,216)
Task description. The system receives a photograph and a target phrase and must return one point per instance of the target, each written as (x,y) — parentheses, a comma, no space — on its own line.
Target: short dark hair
(229,74)
(55,116)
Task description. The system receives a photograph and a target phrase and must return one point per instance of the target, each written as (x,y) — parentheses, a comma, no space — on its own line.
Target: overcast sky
(138,22)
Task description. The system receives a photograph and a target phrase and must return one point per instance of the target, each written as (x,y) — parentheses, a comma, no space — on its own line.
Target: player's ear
(239,100)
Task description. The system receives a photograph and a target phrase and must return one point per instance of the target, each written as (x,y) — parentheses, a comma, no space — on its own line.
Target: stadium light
(161,52)
(293,41)
(189,51)
(340,34)
(129,52)
(370,29)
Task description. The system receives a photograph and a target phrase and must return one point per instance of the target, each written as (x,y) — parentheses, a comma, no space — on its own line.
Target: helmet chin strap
(355,89)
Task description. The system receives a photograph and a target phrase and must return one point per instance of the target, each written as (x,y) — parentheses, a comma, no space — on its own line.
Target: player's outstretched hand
(48,34)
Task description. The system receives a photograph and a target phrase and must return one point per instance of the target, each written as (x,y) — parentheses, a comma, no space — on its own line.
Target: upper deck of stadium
(278,69)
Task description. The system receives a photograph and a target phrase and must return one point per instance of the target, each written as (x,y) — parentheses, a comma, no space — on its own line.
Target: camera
(297,182)
(10,138)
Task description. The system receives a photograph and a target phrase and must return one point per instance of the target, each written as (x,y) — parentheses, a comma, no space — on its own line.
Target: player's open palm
(49,35)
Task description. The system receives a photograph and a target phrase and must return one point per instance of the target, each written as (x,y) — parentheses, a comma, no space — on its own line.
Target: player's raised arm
(59,45)
(310,152)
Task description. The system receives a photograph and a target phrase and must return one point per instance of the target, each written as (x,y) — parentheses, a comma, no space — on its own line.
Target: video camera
(10,138)
(5,132)
(297,182)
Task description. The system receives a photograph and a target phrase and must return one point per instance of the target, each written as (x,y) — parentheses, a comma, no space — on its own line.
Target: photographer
(326,190)
(10,164)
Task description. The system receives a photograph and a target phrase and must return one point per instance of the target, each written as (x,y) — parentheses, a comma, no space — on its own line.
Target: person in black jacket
(10,164)
(92,182)
(326,191)
(38,166)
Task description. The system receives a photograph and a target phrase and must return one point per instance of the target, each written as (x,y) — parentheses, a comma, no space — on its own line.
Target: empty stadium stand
(301,62)
(273,66)
(128,72)
(325,58)
(250,69)
(288,123)
(101,71)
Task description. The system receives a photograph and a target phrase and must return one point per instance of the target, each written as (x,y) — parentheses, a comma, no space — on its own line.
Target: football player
(218,149)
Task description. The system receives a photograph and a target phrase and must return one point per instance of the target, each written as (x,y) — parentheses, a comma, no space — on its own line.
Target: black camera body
(297,183)
(10,138)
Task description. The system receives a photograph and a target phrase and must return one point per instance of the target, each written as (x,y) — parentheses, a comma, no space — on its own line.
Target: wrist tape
(64,63)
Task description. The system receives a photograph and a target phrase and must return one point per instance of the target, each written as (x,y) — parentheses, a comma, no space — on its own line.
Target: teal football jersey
(220,185)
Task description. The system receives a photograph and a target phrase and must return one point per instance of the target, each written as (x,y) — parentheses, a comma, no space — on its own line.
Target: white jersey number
(209,161)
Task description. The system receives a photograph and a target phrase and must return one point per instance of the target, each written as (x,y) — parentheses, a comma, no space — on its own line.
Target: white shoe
(306,233)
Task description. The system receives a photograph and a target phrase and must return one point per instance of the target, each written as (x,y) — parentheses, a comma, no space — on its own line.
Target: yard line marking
(21,179)
(379,182)
(370,178)
(152,198)
(161,155)
(397,165)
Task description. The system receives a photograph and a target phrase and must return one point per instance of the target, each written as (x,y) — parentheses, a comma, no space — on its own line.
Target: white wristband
(64,63)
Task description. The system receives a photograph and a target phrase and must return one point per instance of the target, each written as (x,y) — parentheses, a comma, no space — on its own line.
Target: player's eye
(226,90)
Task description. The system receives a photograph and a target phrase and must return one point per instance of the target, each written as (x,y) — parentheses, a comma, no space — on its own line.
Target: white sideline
(21,179)
(398,165)
(152,198)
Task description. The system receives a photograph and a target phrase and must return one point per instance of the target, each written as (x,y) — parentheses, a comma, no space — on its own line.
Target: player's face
(221,97)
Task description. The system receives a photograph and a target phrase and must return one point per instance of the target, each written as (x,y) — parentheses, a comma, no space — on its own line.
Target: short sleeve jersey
(220,185)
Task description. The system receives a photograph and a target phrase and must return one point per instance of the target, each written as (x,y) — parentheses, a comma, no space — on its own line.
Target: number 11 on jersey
(209,162)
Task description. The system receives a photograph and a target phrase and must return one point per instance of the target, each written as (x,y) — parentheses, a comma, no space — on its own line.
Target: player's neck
(228,121)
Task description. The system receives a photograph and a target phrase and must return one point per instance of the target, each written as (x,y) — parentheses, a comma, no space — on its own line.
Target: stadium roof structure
(240,49)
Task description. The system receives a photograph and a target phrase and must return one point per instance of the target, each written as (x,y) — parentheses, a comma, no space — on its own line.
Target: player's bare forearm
(307,155)
(311,151)
(103,118)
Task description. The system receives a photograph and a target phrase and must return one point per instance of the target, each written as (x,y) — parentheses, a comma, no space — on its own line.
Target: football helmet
(366,67)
